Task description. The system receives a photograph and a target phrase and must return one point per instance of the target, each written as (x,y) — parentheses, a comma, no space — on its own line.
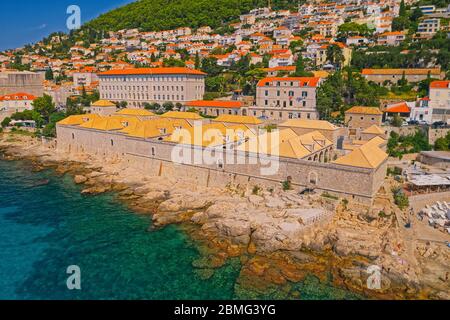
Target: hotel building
(150,85)
(286,98)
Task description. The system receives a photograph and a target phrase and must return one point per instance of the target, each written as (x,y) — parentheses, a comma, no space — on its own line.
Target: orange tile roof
(392,33)
(304,81)
(141,71)
(364,110)
(440,84)
(280,68)
(215,103)
(17,97)
(399,108)
(413,71)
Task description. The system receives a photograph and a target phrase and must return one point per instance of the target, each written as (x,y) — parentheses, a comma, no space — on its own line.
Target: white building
(429,26)
(160,85)
(440,100)
(16,102)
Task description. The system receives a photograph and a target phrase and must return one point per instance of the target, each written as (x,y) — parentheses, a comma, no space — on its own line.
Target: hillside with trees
(156,15)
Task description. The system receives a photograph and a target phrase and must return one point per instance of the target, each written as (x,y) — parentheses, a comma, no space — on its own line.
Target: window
(153,151)
(112,142)
(266,93)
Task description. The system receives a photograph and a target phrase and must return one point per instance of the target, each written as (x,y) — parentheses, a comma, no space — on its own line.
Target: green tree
(168,106)
(197,61)
(50,129)
(397,121)
(335,55)
(300,68)
(209,66)
(352,28)
(44,106)
(49,74)
(6,122)
(441,144)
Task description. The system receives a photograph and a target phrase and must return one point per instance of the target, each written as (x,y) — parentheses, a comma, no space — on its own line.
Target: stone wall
(155,157)
(434,134)
(27,82)
(362,121)
(418,202)
(403,131)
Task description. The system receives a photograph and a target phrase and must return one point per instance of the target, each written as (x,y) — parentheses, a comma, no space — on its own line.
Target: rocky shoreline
(264,229)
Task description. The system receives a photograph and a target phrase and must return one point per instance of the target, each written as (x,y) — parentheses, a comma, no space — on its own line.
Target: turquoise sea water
(46,228)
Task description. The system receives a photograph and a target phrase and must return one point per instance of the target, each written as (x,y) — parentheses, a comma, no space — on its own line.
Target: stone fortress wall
(155,158)
(27,82)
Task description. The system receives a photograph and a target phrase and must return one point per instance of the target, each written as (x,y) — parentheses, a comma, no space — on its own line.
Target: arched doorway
(313,179)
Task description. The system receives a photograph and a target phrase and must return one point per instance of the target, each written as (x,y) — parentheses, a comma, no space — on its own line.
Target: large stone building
(150,85)
(21,81)
(306,160)
(286,98)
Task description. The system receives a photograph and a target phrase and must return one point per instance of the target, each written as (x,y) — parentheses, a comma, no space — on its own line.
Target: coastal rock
(183,203)
(199,218)
(95,190)
(79,179)
(155,196)
(238,230)
(95,174)
(255,200)
(140,191)
(272,202)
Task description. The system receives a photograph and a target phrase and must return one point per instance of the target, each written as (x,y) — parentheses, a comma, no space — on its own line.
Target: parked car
(439,124)
(423,122)
(413,122)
